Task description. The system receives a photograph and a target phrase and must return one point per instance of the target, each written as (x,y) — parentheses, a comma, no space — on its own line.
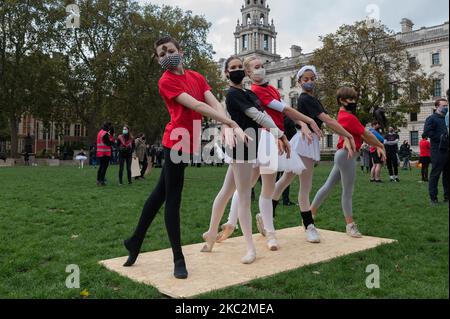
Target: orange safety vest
(102,149)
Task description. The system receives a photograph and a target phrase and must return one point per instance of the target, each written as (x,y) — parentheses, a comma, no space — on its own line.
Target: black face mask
(237,76)
(351,107)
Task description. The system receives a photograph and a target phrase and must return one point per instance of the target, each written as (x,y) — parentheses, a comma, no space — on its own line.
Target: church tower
(255,35)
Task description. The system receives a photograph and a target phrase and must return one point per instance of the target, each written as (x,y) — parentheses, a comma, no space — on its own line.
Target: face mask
(309,86)
(125,132)
(260,74)
(351,107)
(237,76)
(171,62)
(444,110)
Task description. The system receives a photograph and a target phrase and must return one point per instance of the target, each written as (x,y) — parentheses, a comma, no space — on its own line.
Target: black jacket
(436,130)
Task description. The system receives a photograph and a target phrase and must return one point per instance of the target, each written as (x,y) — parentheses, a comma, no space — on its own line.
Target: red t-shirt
(182,118)
(425,148)
(266,94)
(352,125)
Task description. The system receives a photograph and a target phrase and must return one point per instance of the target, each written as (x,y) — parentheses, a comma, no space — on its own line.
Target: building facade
(428,45)
(34,137)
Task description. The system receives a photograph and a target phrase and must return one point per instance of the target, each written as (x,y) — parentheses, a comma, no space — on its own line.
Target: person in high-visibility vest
(105,140)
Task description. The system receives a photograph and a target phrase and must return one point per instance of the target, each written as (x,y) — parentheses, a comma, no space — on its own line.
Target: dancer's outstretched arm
(371,139)
(206,110)
(336,127)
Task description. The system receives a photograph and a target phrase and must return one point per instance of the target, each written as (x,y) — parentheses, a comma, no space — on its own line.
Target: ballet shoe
(180,271)
(133,248)
(272,241)
(209,243)
(227,230)
(249,258)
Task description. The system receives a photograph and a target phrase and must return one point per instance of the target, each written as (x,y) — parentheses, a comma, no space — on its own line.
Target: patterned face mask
(171,62)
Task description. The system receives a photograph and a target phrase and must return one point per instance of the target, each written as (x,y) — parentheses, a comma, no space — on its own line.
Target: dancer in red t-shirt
(344,169)
(187,96)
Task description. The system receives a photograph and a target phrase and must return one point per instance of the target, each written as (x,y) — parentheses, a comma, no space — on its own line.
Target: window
(266,42)
(293,81)
(436,59)
(280,84)
(413,117)
(245,42)
(77,130)
(414,138)
(67,130)
(437,88)
(294,99)
(329,141)
(412,62)
(261,19)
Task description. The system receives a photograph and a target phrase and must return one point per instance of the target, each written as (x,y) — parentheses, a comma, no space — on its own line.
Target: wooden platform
(222,268)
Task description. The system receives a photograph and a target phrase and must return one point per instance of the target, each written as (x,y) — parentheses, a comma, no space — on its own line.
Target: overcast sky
(301,22)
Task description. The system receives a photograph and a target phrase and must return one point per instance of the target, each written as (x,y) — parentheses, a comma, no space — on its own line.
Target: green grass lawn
(53,217)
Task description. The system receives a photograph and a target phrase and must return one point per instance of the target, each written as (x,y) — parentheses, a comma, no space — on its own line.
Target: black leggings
(392,164)
(122,161)
(101,173)
(168,191)
(425,172)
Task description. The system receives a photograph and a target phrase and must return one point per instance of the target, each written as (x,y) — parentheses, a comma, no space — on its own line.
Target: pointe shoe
(272,241)
(249,258)
(209,243)
(227,230)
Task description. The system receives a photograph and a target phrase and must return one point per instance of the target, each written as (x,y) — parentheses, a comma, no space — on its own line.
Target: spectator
(436,130)
(159,156)
(152,154)
(125,144)
(26,158)
(105,140)
(92,156)
(446,115)
(377,161)
(425,156)
(405,155)
(365,157)
(391,144)
(141,154)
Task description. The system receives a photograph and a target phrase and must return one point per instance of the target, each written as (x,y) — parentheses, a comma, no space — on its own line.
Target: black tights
(101,173)
(168,191)
(122,161)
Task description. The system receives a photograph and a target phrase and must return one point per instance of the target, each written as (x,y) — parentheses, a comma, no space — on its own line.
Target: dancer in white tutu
(269,161)
(245,109)
(81,157)
(310,152)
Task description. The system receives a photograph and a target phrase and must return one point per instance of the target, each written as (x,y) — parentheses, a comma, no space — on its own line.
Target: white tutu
(302,148)
(81,158)
(270,162)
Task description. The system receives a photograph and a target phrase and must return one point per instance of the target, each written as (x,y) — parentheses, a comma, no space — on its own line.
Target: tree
(23,26)
(370,59)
